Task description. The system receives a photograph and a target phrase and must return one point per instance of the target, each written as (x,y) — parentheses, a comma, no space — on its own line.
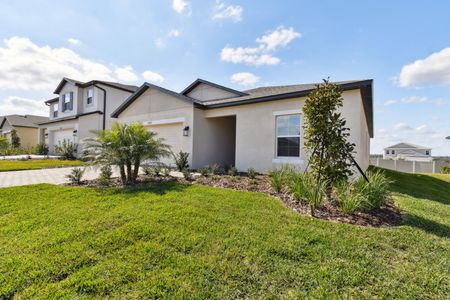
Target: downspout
(104,105)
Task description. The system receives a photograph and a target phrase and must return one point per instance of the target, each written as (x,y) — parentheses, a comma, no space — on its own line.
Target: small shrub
(251,173)
(253,182)
(66,149)
(187,174)
(232,171)
(276,179)
(105,175)
(375,192)
(147,170)
(41,149)
(166,171)
(204,171)
(75,176)
(304,187)
(215,169)
(181,160)
(445,170)
(350,199)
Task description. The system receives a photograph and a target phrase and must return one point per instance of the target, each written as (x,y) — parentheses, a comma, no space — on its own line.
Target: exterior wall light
(46,135)
(75,132)
(186,131)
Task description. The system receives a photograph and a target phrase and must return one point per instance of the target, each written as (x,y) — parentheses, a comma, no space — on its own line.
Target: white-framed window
(427,152)
(387,151)
(67,101)
(55,110)
(288,135)
(89,96)
(393,152)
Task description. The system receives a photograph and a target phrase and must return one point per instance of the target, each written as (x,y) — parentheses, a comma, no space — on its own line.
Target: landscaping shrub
(445,170)
(41,149)
(350,198)
(232,171)
(75,176)
(105,175)
(375,192)
(204,171)
(181,160)
(15,139)
(166,171)
(66,149)
(277,180)
(187,174)
(251,173)
(215,169)
(304,187)
(4,144)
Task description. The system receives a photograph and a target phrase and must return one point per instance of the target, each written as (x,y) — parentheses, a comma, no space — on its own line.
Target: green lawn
(177,241)
(19,165)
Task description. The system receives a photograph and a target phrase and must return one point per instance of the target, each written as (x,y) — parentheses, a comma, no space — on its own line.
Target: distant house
(407,151)
(26,127)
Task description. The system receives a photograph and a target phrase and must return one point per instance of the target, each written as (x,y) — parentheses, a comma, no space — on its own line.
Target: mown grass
(179,241)
(19,165)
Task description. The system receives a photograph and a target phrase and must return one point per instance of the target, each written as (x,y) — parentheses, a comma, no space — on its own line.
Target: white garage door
(172,135)
(60,135)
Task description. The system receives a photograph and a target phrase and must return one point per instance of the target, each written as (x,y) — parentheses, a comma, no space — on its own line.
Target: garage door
(172,135)
(60,135)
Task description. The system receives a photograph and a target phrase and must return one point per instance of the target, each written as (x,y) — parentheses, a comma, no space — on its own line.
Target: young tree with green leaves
(326,135)
(15,139)
(4,144)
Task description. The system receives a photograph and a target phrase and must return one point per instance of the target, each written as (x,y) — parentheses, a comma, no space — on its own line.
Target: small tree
(326,135)
(15,139)
(66,149)
(4,144)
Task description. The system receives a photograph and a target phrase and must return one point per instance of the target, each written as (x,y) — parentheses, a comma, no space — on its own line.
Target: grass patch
(188,241)
(19,165)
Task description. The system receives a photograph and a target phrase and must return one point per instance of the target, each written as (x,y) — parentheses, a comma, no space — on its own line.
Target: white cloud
(244,78)
(434,69)
(73,41)
(232,12)
(161,42)
(402,127)
(389,102)
(126,74)
(424,129)
(152,76)
(174,33)
(181,6)
(27,66)
(18,105)
(263,53)
(414,99)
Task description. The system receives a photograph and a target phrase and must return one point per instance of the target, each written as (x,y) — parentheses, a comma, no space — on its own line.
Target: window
(387,151)
(89,96)
(68,101)
(393,152)
(427,152)
(55,110)
(288,135)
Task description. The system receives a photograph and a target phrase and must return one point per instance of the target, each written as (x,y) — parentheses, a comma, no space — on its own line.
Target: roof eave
(194,84)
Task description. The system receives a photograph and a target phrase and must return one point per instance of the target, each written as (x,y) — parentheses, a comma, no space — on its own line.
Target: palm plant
(126,145)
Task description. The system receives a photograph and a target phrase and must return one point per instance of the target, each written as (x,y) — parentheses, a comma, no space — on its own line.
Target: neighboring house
(259,128)
(25,126)
(80,109)
(407,151)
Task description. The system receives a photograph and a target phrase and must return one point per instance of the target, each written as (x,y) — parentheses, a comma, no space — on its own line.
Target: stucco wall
(206,92)
(28,137)
(154,105)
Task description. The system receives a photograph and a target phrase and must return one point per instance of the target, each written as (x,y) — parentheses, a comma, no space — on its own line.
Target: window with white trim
(288,135)
(89,96)
(67,101)
(55,110)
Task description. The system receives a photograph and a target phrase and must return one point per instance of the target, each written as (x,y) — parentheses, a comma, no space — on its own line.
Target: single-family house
(260,128)
(408,151)
(80,109)
(26,127)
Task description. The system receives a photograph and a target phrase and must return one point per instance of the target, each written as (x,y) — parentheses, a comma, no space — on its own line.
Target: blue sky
(402,45)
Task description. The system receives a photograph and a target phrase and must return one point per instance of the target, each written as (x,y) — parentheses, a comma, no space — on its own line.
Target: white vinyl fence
(408,166)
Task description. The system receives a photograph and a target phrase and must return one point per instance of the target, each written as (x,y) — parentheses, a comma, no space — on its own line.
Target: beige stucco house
(26,127)
(408,151)
(80,109)
(259,128)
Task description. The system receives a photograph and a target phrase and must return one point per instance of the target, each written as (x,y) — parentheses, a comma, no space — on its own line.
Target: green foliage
(326,134)
(19,165)
(349,197)
(66,149)
(281,177)
(41,149)
(232,171)
(75,176)
(15,139)
(105,175)
(251,173)
(204,171)
(181,160)
(215,169)
(445,170)
(154,169)
(4,145)
(187,174)
(126,145)
(304,187)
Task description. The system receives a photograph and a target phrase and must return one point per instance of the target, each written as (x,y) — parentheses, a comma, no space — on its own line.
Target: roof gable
(226,92)
(30,121)
(116,85)
(406,146)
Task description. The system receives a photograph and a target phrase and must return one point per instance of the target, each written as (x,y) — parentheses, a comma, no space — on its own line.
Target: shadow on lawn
(419,186)
(427,225)
(157,188)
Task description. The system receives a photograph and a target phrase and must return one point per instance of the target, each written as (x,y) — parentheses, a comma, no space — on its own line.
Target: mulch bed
(386,216)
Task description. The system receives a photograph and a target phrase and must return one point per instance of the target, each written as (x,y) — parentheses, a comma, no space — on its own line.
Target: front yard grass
(19,165)
(187,241)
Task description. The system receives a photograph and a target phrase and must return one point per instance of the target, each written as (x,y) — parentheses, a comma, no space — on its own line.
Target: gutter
(104,105)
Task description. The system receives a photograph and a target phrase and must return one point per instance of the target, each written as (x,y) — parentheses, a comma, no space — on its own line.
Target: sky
(404,46)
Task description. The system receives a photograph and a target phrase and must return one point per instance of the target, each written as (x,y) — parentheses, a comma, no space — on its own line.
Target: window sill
(288,160)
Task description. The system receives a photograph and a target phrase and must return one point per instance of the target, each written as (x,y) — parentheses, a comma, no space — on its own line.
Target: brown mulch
(386,216)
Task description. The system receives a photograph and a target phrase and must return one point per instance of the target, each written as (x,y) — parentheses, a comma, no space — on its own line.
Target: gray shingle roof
(24,121)
(407,146)
(131,88)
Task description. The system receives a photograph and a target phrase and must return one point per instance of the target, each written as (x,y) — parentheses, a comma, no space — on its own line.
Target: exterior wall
(256,137)
(114,99)
(28,136)
(154,105)
(207,92)
(214,140)
(407,153)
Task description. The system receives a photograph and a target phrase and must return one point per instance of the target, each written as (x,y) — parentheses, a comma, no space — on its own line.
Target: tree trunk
(129,172)
(137,164)
(123,176)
